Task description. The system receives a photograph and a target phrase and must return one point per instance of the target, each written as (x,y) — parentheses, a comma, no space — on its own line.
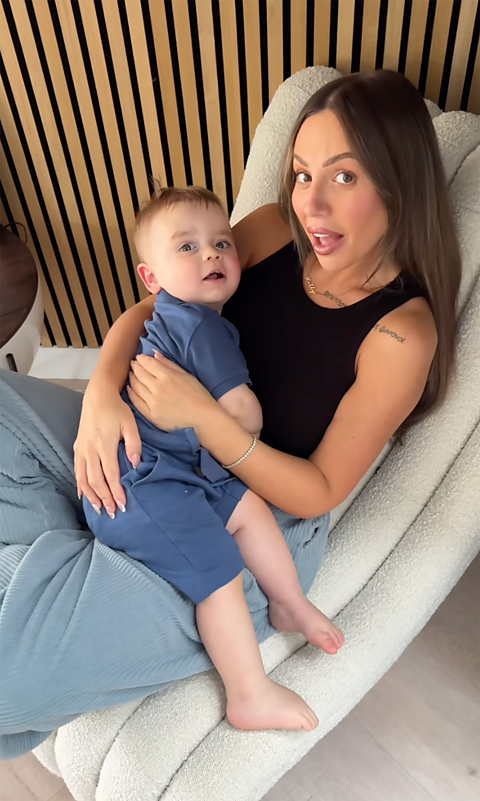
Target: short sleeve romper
(180,499)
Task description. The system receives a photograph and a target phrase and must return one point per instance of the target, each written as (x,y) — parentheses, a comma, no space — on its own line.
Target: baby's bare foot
(304,617)
(270,706)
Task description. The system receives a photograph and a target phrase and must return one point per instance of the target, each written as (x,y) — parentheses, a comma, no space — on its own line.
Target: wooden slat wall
(97,96)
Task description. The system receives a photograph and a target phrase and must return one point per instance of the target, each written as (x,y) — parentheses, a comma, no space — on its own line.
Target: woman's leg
(79,623)
(253,700)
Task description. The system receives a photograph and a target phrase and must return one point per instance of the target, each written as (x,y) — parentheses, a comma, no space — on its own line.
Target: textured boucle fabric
(398,546)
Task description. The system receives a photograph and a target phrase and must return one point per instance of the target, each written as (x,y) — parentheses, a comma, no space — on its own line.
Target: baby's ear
(149,279)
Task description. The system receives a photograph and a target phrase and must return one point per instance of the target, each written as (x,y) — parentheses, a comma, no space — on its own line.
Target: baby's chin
(213,294)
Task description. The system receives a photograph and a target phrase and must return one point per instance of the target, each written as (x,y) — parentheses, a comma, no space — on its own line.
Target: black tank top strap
(306,362)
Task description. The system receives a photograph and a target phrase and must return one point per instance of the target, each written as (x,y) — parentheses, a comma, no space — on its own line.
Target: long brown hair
(392,136)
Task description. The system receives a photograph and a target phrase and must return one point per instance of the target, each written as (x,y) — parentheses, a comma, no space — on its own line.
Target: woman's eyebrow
(326,163)
(333,159)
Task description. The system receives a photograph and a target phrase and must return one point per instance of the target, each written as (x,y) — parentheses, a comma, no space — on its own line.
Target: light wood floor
(414,737)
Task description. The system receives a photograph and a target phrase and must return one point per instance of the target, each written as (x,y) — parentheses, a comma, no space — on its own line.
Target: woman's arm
(106,419)
(260,234)
(120,347)
(391,376)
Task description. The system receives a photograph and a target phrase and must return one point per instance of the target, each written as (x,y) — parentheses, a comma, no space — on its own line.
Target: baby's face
(190,250)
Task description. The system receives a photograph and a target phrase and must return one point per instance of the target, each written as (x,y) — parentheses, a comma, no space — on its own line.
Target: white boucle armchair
(399,545)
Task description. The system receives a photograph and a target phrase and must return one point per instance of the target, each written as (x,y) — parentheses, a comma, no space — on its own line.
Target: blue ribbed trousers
(82,626)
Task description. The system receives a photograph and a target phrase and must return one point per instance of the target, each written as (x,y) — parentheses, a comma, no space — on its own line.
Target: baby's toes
(330,646)
(340,637)
(311,720)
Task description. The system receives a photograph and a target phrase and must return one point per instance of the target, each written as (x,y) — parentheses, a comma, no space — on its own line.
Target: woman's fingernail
(96,509)
(110,512)
(79,495)
(121,506)
(136,459)
(132,364)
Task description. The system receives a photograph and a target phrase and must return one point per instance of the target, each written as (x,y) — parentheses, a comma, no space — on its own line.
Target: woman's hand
(105,420)
(167,395)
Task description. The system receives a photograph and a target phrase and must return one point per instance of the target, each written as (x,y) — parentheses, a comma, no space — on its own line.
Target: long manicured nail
(96,509)
(79,495)
(110,512)
(136,459)
(121,506)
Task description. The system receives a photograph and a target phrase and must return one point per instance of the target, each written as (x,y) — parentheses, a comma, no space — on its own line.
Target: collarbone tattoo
(382,329)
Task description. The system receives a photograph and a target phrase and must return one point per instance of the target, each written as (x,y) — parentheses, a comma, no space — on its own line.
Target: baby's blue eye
(186,247)
(223,244)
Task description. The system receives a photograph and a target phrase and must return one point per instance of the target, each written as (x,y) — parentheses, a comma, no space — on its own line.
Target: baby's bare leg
(253,700)
(266,554)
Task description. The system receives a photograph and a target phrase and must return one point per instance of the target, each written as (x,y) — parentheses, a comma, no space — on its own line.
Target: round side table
(21,307)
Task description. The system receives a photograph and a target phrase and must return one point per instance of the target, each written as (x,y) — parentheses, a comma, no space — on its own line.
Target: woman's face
(333,198)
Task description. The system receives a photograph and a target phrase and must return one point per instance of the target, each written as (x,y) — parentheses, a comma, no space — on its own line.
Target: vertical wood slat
(393,34)
(254,68)
(189,89)
(232,89)
(321,42)
(275,51)
(167,87)
(136,27)
(463,38)
(298,35)
(93,237)
(210,88)
(416,38)
(125,91)
(346,12)
(439,45)
(474,100)
(371,14)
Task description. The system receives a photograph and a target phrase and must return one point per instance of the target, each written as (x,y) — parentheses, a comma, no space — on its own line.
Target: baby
(187,518)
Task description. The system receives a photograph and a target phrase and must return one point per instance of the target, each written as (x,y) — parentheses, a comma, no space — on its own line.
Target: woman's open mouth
(325,242)
(215,275)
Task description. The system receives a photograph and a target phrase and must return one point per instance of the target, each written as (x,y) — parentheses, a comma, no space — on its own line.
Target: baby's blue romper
(180,499)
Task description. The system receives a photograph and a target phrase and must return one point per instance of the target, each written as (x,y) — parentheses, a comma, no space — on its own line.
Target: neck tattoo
(312,290)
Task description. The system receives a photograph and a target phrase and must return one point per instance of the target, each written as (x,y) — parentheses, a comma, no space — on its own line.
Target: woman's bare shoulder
(260,234)
(410,327)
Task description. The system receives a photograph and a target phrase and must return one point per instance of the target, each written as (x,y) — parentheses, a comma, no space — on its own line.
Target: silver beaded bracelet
(234,464)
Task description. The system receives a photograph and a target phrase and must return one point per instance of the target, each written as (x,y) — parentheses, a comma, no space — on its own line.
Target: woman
(349,339)
(347,343)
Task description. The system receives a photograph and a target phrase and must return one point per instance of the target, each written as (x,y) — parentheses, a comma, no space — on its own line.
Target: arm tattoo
(383,330)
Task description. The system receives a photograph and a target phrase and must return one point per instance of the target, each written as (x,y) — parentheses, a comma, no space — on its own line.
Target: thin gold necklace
(312,290)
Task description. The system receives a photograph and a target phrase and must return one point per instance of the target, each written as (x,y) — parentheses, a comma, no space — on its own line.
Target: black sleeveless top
(301,356)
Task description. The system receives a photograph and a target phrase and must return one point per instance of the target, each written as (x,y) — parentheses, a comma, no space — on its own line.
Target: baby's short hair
(165,197)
